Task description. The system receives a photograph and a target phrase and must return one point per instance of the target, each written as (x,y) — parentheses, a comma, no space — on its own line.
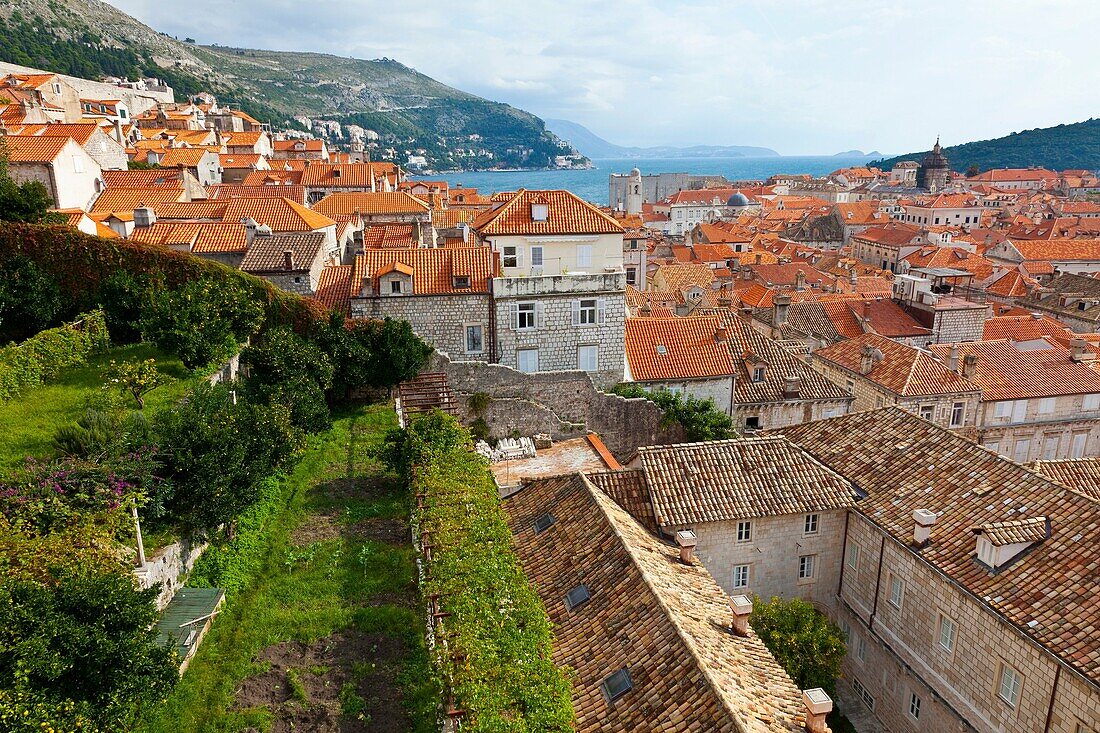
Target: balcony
(519,287)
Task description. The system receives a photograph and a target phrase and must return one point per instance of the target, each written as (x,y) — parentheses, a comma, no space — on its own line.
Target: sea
(591,184)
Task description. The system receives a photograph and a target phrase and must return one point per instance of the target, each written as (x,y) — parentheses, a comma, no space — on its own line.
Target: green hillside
(411,111)
(1075,145)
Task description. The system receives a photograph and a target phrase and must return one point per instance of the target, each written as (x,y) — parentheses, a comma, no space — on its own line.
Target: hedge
(80,264)
(43,356)
(493,650)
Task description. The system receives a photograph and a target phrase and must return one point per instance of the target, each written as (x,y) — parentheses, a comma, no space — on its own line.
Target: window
(845,628)
(78,164)
(475,342)
(852,557)
(1092,402)
(536,257)
(744,531)
(617,685)
(588,357)
(577,597)
(946,634)
(511,257)
(927,412)
(809,526)
(861,649)
(752,422)
(395,287)
(1050,447)
(584,255)
(56,88)
(122,113)
(527,360)
(958,414)
(526,316)
(863,693)
(544,522)
(1021,450)
(914,706)
(1002,409)
(740,576)
(461,282)
(806,567)
(1046,405)
(758,373)
(584,312)
(632,276)
(1009,688)
(850,386)
(897,591)
(1079,442)
(540,211)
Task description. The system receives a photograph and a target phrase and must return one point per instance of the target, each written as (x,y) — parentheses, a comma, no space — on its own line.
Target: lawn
(28,422)
(329,635)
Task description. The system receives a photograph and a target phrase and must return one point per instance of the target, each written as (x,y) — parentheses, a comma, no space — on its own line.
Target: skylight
(577,597)
(617,685)
(544,522)
(661,349)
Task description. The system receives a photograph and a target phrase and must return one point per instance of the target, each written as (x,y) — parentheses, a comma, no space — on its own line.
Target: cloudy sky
(800,76)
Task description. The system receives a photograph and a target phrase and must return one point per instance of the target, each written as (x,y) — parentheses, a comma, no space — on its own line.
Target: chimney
(818,705)
(852,277)
(720,334)
(923,521)
(866,359)
(953,358)
(792,386)
(970,364)
(1078,349)
(800,280)
(686,540)
(780,303)
(144,217)
(741,606)
(746,272)
(118,133)
(757,259)
(249,229)
(288,259)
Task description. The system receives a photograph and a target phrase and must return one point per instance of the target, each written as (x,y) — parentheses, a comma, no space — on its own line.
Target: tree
(377,354)
(86,639)
(30,300)
(283,368)
(804,642)
(136,378)
(27,202)
(700,419)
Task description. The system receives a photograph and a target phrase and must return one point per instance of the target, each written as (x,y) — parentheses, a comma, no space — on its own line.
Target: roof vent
(923,521)
(741,605)
(687,541)
(263,230)
(288,259)
(999,543)
(616,685)
(144,217)
(792,386)
(661,349)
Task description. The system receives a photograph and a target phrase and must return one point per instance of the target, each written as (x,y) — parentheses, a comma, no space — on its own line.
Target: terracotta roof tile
(433,270)
(334,288)
(128,199)
(567,214)
(391,202)
(1081,474)
(268,253)
(1005,372)
(660,349)
(202,237)
(34,148)
(281,214)
(902,369)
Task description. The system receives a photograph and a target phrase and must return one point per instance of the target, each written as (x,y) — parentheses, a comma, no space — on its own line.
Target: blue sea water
(591,184)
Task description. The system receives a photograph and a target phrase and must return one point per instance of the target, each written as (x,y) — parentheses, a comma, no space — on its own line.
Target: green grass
(306,592)
(29,421)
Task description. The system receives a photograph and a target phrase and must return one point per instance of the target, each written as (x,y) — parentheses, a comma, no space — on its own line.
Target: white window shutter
(576,313)
(513,315)
(601,308)
(538,314)
(519,256)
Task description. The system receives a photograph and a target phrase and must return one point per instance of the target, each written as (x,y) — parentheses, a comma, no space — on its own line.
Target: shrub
(377,354)
(284,368)
(201,321)
(86,639)
(43,356)
(215,451)
(30,300)
(99,434)
(124,297)
(802,640)
(498,664)
(700,419)
(29,201)
(136,378)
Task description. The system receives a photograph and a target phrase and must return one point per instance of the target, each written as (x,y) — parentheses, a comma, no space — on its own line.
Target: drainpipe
(843,553)
(1053,695)
(878,583)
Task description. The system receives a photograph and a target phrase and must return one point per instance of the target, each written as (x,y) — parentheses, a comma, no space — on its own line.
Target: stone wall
(169,567)
(564,404)
(440,320)
(137,101)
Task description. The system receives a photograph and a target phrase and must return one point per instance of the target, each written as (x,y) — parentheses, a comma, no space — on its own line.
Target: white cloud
(803,76)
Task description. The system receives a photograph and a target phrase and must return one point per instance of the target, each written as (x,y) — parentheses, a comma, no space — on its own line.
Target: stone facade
(895,651)
(795,411)
(556,337)
(440,320)
(1066,426)
(718,390)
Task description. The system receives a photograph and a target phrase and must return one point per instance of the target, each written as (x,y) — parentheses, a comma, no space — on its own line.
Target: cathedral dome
(738,199)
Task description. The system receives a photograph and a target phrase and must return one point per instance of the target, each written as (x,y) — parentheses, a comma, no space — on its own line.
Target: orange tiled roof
(1004,372)
(81,132)
(241,160)
(183,157)
(433,270)
(902,369)
(388,236)
(568,214)
(223,191)
(281,214)
(314,146)
(659,349)
(1022,327)
(201,237)
(128,199)
(334,288)
(351,175)
(1058,249)
(681,277)
(34,149)
(388,202)
(156,178)
(273,177)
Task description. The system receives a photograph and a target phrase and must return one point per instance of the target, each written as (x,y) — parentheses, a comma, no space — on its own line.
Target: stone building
(1040,400)
(290,261)
(388,207)
(880,372)
(106,149)
(1072,299)
(651,640)
(444,293)
(784,540)
(199,162)
(934,172)
(688,356)
(71,176)
(560,295)
(966,591)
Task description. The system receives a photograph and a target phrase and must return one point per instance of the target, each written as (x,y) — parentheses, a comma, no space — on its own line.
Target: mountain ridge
(85,37)
(594,146)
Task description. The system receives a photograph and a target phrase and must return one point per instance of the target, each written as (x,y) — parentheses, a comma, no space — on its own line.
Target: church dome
(738,199)
(635,173)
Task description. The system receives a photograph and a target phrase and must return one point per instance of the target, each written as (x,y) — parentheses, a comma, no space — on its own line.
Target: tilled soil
(370,662)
